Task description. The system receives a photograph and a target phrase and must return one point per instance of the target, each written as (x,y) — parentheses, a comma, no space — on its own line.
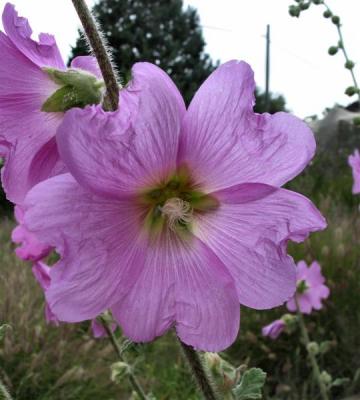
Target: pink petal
(42,274)
(185,284)
(354,162)
(44,53)
(225,143)
(250,238)
(98,329)
(24,129)
(87,63)
(274,329)
(99,243)
(115,153)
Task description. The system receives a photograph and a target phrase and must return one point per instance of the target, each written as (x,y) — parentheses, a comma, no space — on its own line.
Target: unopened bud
(327,14)
(304,6)
(317,2)
(333,50)
(326,377)
(335,20)
(350,91)
(294,11)
(313,348)
(349,64)
(213,360)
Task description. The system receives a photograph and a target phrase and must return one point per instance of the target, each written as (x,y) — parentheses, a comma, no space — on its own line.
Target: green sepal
(77,89)
(251,384)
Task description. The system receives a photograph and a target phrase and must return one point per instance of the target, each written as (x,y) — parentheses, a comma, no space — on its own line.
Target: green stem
(4,394)
(198,370)
(342,47)
(313,361)
(111,101)
(132,378)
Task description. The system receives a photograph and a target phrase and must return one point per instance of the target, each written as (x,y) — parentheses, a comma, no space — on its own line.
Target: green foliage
(251,384)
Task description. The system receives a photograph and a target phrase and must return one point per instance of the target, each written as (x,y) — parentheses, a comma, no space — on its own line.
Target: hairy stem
(4,394)
(313,361)
(342,47)
(111,101)
(198,370)
(132,378)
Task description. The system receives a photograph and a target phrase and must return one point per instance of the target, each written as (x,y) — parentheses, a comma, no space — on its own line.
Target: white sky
(300,66)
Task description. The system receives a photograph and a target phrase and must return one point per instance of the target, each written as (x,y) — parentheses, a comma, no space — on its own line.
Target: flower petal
(24,129)
(182,282)
(354,162)
(87,63)
(44,53)
(99,243)
(225,143)
(114,153)
(249,235)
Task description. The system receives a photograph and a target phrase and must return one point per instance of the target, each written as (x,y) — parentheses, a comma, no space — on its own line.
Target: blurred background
(188,40)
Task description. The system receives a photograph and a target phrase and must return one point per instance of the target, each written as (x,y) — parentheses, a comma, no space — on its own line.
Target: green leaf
(251,384)
(341,382)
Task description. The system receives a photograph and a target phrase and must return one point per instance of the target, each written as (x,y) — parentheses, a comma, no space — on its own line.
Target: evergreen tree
(159,31)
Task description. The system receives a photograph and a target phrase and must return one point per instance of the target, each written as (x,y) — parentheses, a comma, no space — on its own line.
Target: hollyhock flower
(274,329)
(33,80)
(311,289)
(354,162)
(30,248)
(173,217)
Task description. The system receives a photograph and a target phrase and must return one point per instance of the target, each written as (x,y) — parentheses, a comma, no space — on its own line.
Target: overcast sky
(301,69)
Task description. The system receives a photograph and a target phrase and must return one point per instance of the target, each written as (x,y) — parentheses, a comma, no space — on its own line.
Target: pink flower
(274,329)
(354,162)
(311,288)
(173,217)
(27,134)
(30,248)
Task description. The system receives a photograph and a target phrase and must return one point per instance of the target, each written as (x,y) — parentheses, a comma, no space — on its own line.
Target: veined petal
(119,152)
(99,243)
(184,284)
(225,143)
(249,232)
(87,63)
(44,53)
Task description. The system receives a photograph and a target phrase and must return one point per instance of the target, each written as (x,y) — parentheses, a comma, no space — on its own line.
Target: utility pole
(267,70)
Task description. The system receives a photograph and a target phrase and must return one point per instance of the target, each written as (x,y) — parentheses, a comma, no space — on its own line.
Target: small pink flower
(27,134)
(30,248)
(274,329)
(354,162)
(172,217)
(311,288)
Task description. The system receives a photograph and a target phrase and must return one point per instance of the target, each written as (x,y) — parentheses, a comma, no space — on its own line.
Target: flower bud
(335,20)
(326,377)
(350,91)
(349,64)
(333,50)
(304,6)
(313,348)
(317,2)
(327,14)
(294,11)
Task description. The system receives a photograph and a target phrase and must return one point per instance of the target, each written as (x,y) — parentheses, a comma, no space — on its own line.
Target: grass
(41,362)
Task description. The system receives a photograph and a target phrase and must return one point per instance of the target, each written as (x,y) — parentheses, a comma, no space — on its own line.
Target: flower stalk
(198,370)
(111,100)
(348,63)
(312,357)
(132,378)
